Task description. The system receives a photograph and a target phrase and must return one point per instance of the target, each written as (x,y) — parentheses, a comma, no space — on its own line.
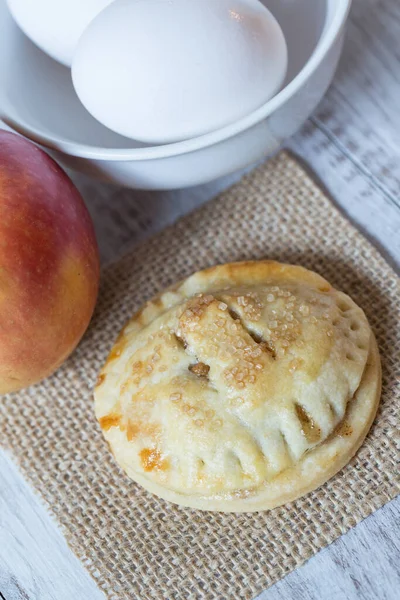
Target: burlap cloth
(137,546)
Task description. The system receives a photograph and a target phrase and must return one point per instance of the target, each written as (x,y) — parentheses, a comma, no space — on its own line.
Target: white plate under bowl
(38,100)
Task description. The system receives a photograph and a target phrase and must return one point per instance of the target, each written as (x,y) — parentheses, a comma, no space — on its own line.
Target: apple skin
(49,264)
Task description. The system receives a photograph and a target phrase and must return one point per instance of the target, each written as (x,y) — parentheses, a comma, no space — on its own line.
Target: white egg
(56,25)
(161,71)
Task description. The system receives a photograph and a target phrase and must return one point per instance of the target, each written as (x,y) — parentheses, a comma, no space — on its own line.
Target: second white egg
(56,25)
(161,71)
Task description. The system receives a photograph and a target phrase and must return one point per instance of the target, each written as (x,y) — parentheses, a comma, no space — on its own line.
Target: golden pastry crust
(242,388)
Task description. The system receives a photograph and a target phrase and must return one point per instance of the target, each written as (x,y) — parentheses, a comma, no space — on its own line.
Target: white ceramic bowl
(37,99)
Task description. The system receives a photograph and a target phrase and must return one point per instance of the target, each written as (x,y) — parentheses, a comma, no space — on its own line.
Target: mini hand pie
(240,389)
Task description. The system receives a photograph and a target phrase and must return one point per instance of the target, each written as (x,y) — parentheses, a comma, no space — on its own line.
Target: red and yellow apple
(49,264)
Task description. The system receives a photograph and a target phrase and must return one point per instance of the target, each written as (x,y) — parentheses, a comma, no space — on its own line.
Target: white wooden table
(353,144)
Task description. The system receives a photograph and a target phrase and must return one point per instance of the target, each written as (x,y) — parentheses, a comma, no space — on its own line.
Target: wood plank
(35,561)
(362,564)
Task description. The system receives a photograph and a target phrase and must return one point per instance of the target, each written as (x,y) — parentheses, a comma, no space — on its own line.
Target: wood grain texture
(353,145)
(361,564)
(35,561)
